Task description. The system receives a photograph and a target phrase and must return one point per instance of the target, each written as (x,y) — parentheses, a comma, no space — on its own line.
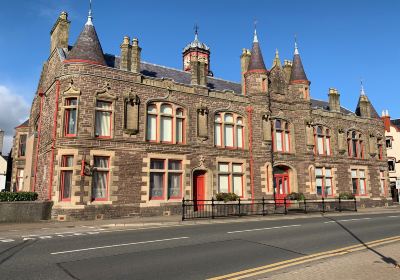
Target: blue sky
(340,41)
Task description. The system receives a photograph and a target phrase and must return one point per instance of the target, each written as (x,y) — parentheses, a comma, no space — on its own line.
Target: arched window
(355,145)
(322,139)
(165,123)
(281,136)
(229,131)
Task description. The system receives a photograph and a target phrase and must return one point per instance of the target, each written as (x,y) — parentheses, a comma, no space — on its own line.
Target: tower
(256,77)
(363,107)
(298,78)
(196,50)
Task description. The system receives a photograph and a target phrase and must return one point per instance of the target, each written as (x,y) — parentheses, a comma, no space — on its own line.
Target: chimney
(60,32)
(194,68)
(287,69)
(334,100)
(386,120)
(244,64)
(126,54)
(1,141)
(203,71)
(135,60)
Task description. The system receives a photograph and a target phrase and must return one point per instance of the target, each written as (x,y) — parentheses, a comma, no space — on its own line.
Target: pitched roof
(374,113)
(320,104)
(298,73)
(24,124)
(396,122)
(256,58)
(87,47)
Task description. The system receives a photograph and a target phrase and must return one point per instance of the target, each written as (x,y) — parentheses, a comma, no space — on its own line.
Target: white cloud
(13,111)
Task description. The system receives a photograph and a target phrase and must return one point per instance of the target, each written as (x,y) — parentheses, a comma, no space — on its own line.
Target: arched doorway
(281,181)
(199,189)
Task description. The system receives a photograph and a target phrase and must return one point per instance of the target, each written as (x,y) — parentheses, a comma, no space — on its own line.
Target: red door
(199,190)
(282,187)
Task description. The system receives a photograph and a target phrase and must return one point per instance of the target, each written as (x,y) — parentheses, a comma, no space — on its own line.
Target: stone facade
(132,86)
(20,178)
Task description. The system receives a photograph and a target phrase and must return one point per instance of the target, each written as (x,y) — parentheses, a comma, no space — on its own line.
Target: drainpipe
(249,110)
(53,141)
(41,94)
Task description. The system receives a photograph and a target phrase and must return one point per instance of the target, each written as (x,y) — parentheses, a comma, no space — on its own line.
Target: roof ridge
(328,104)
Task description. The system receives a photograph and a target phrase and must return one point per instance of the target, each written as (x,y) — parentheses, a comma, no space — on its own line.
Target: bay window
(66,177)
(104,114)
(101,174)
(165,123)
(70,116)
(230,178)
(165,179)
(359,183)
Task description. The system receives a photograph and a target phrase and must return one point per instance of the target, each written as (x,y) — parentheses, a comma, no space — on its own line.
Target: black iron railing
(197,209)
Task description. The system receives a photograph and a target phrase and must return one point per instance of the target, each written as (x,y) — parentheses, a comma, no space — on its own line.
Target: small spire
(255,40)
(387,113)
(89,20)
(196,32)
(277,60)
(383,113)
(362,92)
(296,50)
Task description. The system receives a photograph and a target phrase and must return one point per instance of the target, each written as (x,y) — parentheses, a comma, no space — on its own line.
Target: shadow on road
(386,259)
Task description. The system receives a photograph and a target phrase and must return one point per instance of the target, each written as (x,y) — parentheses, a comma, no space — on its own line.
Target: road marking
(118,245)
(6,240)
(28,238)
(296,261)
(348,220)
(45,237)
(393,216)
(257,229)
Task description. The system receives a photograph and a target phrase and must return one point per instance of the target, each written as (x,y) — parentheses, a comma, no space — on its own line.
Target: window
(20,179)
(70,117)
(165,123)
(165,179)
(383,183)
(281,136)
(389,142)
(103,119)
(355,145)
(322,141)
(22,145)
(229,131)
(359,184)
(392,164)
(101,174)
(323,181)
(230,178)
(380,149)
(67,163)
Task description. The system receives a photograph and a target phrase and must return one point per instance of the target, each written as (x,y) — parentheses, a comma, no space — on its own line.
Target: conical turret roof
(363,98)
(297,75)
(256,59)
(87,47)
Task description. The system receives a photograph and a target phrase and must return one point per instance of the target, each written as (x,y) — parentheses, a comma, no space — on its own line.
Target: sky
(340,42)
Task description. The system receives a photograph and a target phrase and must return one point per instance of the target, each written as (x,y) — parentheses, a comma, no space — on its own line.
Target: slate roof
(25,123)
(374,113)
(320,104)
(87,46)
(297,73)
(396,122)
(256,59)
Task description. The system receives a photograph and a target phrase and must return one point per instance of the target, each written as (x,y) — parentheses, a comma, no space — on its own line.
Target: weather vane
(196,28)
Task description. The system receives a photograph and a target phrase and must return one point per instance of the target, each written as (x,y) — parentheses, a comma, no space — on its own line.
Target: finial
(89,21)
(362,92)
(387,113)
(255,40)
(196,32)
(277,61)
(296,50)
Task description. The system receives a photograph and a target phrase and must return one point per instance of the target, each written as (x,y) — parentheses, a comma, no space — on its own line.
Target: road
(196,251)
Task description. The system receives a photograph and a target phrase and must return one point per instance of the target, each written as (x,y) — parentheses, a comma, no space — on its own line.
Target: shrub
(227,197)
(346,195)
(295,196)
(18,196)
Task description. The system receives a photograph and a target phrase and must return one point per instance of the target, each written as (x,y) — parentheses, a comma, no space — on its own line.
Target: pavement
(166,248)
(366,265)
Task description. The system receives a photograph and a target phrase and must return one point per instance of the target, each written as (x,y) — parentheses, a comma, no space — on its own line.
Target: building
(20,179)
(113,135)
(392,134)
(3,163)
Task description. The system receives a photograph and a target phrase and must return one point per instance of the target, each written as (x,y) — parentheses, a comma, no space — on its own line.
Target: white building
(392,133)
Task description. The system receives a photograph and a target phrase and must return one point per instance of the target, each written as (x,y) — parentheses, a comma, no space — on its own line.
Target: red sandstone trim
(263,71)
(249,110)
(41,94)
(82,61)
(304,82)
(53,139)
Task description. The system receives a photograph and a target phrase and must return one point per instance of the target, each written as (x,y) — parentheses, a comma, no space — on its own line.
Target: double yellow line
(309,258)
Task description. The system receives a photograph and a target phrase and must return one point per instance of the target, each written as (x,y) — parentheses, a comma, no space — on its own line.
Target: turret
(196,50)
(298,78)
(334,100)
(256,77)
(363,107)
(60,32)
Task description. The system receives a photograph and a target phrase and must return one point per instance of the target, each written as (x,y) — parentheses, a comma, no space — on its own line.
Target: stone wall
(25,211)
